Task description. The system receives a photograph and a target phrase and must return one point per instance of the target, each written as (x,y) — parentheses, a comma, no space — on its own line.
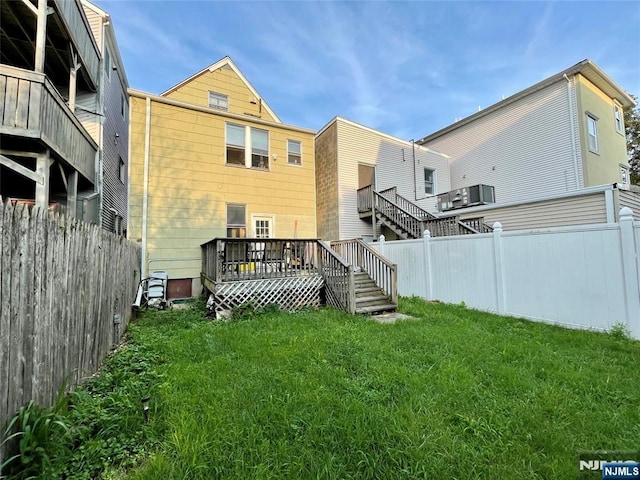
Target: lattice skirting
(290,293)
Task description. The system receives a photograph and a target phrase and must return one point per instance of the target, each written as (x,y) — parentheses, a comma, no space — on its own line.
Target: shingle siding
(525,150)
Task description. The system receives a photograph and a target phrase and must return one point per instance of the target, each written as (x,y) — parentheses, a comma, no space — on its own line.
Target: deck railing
(365,199)
(359,254)
(239,259)
(339,281)
(229,259)
(32,107)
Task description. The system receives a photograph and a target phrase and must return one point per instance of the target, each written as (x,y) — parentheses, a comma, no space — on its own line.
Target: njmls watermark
(609,464)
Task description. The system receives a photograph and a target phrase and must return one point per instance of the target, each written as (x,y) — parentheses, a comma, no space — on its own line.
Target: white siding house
(344,150)
(530,145)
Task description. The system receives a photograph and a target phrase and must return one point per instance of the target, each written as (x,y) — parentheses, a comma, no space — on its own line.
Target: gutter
(145,196)
(573,132)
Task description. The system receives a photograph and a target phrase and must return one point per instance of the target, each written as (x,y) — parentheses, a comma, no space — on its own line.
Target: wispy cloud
(399,67)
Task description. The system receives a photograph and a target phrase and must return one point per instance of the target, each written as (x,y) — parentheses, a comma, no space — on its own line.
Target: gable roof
(586,67)
(226,61)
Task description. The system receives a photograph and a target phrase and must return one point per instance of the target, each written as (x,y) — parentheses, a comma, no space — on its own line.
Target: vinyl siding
(225,81)
(524,150)
(95,23)
(393,159)
(582,210)
(190,185)
(631,200)
(87,103)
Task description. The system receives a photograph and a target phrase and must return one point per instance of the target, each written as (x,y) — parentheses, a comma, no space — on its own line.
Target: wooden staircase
(370,298)
(408,220)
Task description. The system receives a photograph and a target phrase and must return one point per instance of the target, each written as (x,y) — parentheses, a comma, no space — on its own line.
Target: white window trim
(234,225)
(300,143)
(264,216)
(627,174)
(435,185)
(225,109)
(248,147)
(590,116)
(617,109)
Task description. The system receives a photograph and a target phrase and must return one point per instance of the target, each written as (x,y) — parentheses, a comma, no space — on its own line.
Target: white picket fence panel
(579,276)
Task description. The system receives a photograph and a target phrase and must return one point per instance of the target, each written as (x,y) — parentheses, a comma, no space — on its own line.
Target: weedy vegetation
(453,393)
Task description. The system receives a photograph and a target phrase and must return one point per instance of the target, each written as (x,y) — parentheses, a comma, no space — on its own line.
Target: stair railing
(477,224)
(401,217)
(339,280)
(380,269)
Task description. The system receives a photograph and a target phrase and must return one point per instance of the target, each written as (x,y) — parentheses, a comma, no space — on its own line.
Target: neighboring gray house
(106,117)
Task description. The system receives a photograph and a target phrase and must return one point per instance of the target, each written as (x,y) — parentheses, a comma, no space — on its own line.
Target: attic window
(218,101)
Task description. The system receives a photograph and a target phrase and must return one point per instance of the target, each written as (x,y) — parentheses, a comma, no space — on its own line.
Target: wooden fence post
(498,259)
(630,269)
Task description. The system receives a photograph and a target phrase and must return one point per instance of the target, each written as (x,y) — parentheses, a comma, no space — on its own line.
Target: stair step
(377,309)
(373,288)
(372,299)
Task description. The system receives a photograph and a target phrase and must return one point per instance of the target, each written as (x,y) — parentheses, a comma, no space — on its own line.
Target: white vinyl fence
(585,276)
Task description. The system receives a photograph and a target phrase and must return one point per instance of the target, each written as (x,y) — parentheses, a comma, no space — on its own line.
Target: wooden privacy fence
(66,290)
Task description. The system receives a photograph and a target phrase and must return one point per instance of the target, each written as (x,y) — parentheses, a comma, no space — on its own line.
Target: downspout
(145,195)
(100,110)
(573,132)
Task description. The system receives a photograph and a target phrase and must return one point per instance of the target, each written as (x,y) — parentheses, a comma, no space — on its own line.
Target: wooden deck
(293,273)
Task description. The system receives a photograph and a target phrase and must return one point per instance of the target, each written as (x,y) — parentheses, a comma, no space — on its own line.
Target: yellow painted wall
(225,81)
(189,184)
(602,167)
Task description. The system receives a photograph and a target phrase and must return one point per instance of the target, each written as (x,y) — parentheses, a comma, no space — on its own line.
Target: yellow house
(209,158)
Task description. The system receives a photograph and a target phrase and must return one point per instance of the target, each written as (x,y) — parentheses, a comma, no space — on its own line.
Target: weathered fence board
(61,284)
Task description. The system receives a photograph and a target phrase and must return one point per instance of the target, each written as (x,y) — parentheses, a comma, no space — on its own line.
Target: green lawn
(455,393)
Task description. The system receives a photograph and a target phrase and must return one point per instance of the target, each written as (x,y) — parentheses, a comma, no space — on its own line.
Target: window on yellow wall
(617,117)
(236,220)
(592,133)
(259,148)
(219,101)
(294,152)
(235,144)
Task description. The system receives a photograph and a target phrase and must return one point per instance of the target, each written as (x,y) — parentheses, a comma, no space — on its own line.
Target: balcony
(31,107)
(72,16)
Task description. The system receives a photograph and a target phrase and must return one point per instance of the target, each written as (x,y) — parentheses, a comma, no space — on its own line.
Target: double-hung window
(294,152)
(247,146)
(235,144)
(219,101)
(236,220)
(429,181)
(592,133)
(617,118)
(259,148)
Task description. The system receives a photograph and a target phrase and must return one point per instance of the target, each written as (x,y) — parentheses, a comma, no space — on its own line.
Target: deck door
(366,175)
(263,226)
